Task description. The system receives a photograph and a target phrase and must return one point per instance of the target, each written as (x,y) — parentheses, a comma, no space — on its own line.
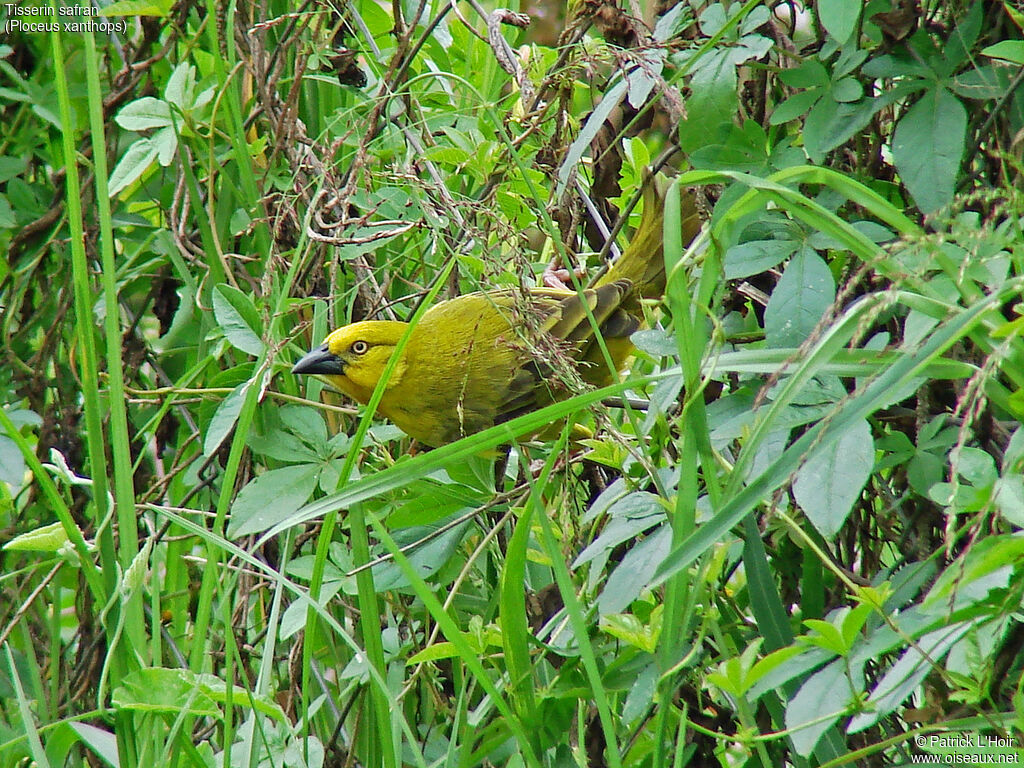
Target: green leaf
(143,114)
(307,424)
(642,687)
(427,557)
(165,144)
(820,702)
(619,530)
(11,167)
(431,501)
(976,466)
(641,79)
(275,493)
(672,22)
(512,612)
(282,446)
(634,573)
(629,629)
(755,256)
(830,123)
(988,565)
(795,106)
(1009,499)
(135,162)
(1008,50)
(48,538)
(799,301)
(224,418)
(905,676)
(839,17)
(240,222)
(180,89)
(808,75)
(825,635)
(173,691)
(435,652)
(927,147)
(102,742)
(847,89)
(238,319)
(958,48)
(713,97)
(12,463)
(830,481)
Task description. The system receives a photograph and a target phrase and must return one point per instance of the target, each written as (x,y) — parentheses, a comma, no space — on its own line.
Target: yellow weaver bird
(484,358)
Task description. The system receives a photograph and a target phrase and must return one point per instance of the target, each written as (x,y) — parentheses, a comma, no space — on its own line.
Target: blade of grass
(120,449)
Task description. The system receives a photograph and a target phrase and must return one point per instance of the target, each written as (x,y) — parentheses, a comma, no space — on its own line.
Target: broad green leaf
(165,144)
(633,574)
(275,493)
(712,103)
(755,256)
(847,89)
(11,167)
(810,74)
(629,629)
(832,122)
(616,532)
(238,319)
(905,676)
(1009,499)
(820,702)
(1008,50)
(48,538)
(641,691)
(427,557)
(672,22)
(224,418)
(173,691)
(641,79)
(987,565)
(306,424)
(839,17)
(976,466)
(135,161)
(180,89)
(143,114)
(799,301)
(429,501)
(12,463)
(435,652)
(957,49)
(927,147)
(282,446)
(830,481)
(102,742)
(795,106)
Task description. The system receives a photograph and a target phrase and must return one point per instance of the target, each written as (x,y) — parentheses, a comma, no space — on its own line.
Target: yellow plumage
(484,358)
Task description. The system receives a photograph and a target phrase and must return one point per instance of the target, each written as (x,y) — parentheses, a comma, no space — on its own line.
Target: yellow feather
(484,358)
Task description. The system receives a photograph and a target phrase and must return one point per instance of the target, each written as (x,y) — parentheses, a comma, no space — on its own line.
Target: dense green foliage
(804,550)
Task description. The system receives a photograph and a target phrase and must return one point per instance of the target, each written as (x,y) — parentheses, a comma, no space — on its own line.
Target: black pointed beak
(320,360)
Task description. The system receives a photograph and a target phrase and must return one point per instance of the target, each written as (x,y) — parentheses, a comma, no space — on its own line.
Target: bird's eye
(360,347)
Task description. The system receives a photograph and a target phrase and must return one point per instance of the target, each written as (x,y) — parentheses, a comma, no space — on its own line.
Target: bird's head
(354,357)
